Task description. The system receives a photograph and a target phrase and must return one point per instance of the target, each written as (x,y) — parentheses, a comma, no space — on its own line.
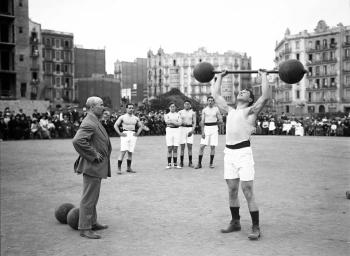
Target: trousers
(89,199)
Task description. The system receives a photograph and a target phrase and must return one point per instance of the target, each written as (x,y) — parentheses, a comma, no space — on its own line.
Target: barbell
(290,71)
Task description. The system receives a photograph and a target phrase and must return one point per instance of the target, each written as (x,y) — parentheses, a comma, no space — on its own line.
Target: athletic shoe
(190,165)
(168,166)
(211,166)
(119,171)
(130,170)
(255,234)
(177,166)
(181,164)
(235,225)
(198,166)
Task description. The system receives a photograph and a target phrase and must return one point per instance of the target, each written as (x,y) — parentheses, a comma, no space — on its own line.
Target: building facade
(104,87)
(14,49)
(58,66)
(133,79)
(325,53)
(88,62)
(167,71)
(36,61)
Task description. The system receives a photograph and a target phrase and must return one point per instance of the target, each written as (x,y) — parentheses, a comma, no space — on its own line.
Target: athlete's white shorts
(128,143)
(239,164)
(211,136)
(184,135)
(172,136)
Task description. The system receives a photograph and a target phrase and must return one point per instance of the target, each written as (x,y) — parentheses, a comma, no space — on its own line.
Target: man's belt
(243,144)
(186,125)
(211,124)
(124,130)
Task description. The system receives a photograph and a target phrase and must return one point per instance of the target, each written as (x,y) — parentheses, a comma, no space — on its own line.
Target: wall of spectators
(65,123)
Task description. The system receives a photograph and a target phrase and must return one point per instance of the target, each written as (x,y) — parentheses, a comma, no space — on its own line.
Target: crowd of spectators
(64,124)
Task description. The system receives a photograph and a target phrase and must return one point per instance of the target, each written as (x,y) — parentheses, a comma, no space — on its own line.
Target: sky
(127,29)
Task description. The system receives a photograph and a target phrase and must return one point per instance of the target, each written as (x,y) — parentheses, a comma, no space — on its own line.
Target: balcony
(346,71)
(286,51)
(7,16)
(320,62)
(35,81)
(346,44)
(35,67)
(34,40)
(35,53)
(346,58)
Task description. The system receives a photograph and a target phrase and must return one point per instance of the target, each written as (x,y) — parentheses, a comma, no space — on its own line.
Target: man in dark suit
(93,145)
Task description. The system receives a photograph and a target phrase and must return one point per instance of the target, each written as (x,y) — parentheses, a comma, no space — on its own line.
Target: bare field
(300,189)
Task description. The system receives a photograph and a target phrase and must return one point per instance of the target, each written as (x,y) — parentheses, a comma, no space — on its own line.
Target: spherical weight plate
(73,218)
(291,71)
(203,72)
(62,211)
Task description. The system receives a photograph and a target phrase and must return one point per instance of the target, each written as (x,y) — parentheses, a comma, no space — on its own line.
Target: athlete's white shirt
(186,116)
(128,122)
(173,118)
(238,127)
(210,114)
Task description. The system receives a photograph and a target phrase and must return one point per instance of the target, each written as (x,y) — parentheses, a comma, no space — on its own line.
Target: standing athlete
(172,134)
(128,136)
(238,160)
(210,132)
(188,118)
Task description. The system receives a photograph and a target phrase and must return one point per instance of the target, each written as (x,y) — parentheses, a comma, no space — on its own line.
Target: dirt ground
(300,188)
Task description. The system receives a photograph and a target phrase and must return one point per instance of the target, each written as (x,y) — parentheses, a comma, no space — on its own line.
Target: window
(310,71)
(48,54)
(34,75)
(21,57)
(58,68)
(331,55)
(20,3)
(297,45)
(347,53)
(310,57)
(48,41)
(332,44)
(324,82)
(287,109)
(66,43)
(333,82)
(324,43)
(317,70)
(20,30)
(57,43)
(298,56)
(57,55)
(58,81)
(48,67)
(67,82)
(23,89)
(325,56)
(347,39)
(317,83)
(325,70)
(347,80)
(317,57)
(174,63)
(298,94)
(65,68)
(310,96)
(317,45)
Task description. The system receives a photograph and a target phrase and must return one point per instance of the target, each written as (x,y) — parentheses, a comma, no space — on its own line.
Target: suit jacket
(91,138)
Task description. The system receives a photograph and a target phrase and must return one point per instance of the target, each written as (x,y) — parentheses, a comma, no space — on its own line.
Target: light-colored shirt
(172,119)
(210,114)
(238,127)
(186,116)
(128,122)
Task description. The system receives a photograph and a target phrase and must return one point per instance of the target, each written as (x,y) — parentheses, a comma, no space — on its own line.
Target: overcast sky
(129,28)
